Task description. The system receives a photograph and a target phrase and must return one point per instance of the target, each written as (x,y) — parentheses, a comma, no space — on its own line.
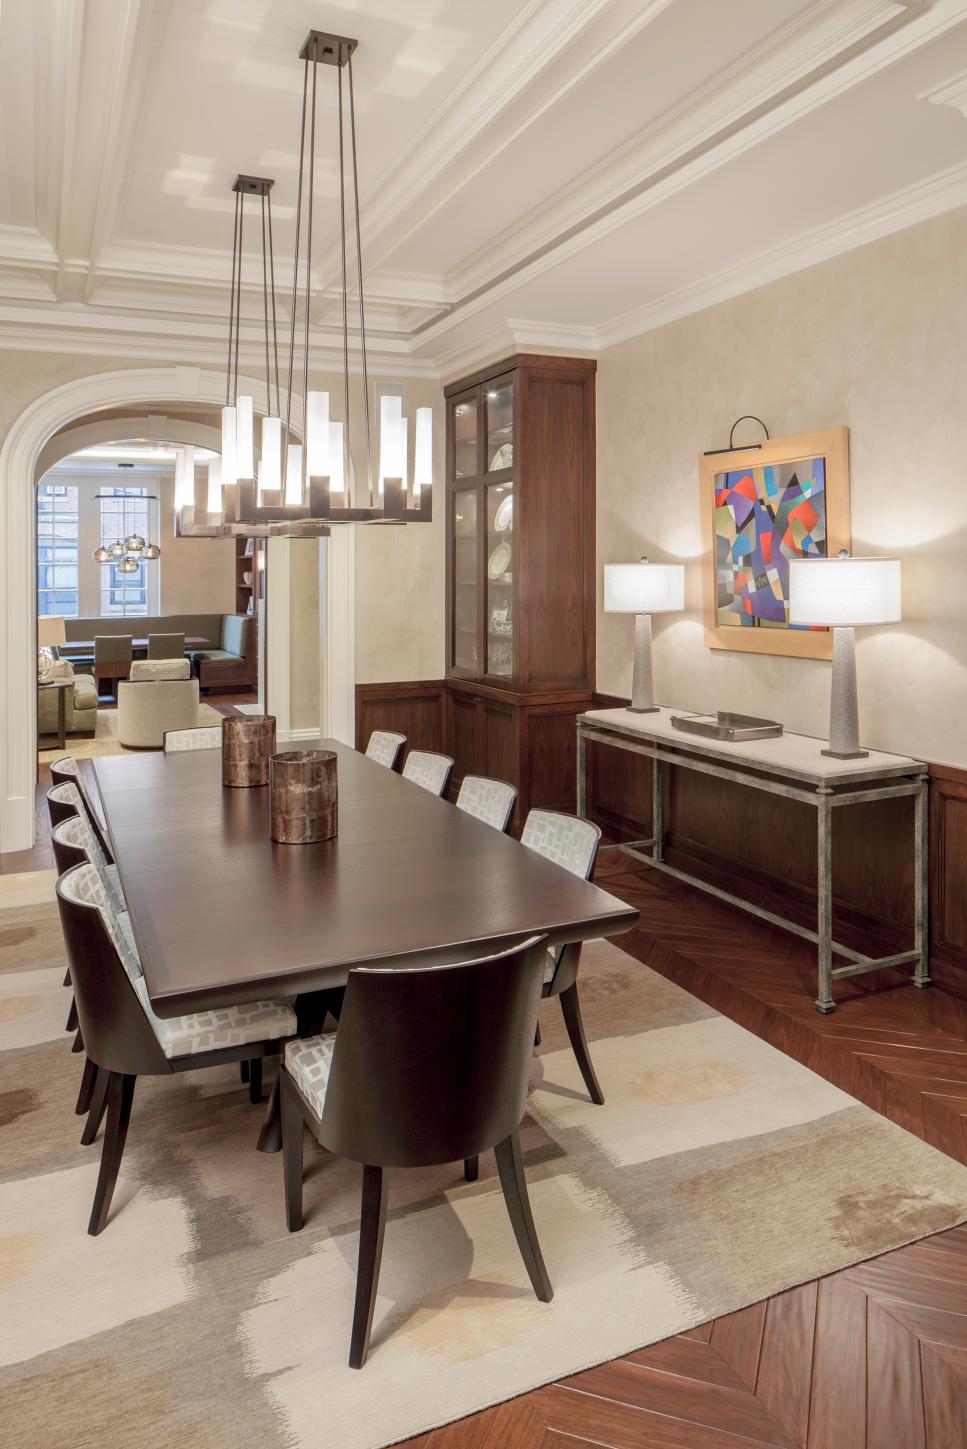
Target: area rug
(105,740)
(718,1172)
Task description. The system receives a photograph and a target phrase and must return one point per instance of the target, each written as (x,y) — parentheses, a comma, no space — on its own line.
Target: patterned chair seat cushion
(224,1026)
(308,1062)
(550,965)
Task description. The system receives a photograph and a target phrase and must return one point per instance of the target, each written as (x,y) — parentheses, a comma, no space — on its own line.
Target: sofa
(226,667)
(149,704)
(80,708)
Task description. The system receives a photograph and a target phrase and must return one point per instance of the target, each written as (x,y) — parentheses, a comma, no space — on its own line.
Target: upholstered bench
(227,667)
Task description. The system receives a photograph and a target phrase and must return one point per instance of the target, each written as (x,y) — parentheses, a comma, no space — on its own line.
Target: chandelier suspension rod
(359,277)
(312,179)
(275,328)
(238,296)
(295,271)
(231,304)
(265,313)
(345,295)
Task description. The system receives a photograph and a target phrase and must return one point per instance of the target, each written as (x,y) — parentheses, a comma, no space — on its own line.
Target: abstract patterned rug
(718,1172)
(105,740)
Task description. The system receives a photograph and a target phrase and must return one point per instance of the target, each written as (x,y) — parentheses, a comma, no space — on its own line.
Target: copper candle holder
(302,786)
(248,743)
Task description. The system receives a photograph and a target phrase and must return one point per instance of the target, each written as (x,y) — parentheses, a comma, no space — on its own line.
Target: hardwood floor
(874,1357)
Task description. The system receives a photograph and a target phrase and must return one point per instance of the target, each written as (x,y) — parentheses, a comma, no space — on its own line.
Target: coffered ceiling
(558,173)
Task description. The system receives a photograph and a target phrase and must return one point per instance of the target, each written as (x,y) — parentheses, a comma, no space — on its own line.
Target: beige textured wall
(197,574)
(873,339)
(304,633)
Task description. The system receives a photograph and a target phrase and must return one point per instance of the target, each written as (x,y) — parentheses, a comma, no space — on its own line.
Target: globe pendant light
(127,555)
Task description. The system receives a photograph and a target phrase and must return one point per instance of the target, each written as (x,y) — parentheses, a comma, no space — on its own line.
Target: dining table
(138,646)
(222,914)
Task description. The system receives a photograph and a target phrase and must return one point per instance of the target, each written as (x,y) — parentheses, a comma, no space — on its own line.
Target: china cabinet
(520,572)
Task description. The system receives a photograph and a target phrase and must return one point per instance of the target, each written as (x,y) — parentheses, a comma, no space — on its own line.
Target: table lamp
(51,631)
(643,589)
(842,594)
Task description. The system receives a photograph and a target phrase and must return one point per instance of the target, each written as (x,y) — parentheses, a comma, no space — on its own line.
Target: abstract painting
(761,508)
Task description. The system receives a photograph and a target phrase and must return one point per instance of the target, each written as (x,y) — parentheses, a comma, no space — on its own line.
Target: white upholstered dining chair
(384,747)
(573,844)
(428,770)
(205,737)
(491,801)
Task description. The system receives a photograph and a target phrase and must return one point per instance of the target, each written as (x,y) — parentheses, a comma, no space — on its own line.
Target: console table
(794,767)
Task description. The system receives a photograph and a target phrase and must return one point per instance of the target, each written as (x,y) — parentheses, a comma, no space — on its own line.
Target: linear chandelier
(305,479)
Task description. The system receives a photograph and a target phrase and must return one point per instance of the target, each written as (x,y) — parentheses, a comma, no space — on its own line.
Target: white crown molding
(952,92)
(905,208)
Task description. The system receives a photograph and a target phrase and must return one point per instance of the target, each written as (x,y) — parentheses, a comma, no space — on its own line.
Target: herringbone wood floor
(871,1358)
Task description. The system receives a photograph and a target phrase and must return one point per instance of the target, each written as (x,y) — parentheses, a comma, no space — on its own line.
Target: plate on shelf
(499,561)
(503,458)
(504,518)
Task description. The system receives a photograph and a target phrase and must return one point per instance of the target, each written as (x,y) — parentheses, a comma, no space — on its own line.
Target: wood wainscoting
(764,846)
(414,708)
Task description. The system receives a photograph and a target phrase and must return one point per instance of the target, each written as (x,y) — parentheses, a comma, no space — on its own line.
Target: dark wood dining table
(138,646)
(223,914)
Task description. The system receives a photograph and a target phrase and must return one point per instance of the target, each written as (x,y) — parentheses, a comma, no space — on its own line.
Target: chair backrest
(113,648)
(206,737)
(384,747)
(63,802)
(166,646)
(75,843)
(165,668)
(431,1065)
(235,634)
(430,771)
(565,839)
(116,1031)
(66,771)
(489,800)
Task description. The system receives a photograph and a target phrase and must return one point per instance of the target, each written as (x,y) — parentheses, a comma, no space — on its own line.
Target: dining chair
(573,844)
(66,771)
(125,1039)
(206,737)
(384,747)
(166,646)
(428,770)
(112,658)
(492,801)
(63,801)
(428,1065)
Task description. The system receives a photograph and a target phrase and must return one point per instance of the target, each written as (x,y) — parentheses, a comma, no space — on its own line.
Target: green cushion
(234,635)
(201,655)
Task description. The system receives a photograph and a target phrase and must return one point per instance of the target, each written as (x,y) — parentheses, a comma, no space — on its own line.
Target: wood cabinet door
(463,734)
(499,750)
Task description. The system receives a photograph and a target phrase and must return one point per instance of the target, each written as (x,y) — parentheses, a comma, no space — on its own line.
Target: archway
(20,456)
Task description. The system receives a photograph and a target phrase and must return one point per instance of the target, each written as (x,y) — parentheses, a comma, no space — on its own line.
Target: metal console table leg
(824,901)
(921,887)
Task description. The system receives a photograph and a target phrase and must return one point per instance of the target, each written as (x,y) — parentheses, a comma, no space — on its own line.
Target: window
(57,550)
(124,511)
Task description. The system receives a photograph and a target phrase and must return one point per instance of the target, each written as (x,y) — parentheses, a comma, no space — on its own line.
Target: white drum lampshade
(643,589)
(843,594)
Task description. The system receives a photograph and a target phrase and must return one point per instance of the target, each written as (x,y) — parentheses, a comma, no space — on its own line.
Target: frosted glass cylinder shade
(337,460)
(317,435)
(270,476)
(844,592)
(245,441)
(293,474)
(644,588)
(390,437)
(214,485)
(185,478)
(229,446)
(423,452)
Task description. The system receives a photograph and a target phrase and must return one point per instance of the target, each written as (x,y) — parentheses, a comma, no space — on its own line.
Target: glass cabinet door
(499,407)
(501,562)
(465,437)
(465,623)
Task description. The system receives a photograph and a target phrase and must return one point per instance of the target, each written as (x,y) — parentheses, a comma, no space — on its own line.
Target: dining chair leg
(72,1017)
(293,1136)
(120,1094)
(243,1071)
(537,1035)
(86,1092)
(471,1168)
(67,977)
(77,1045)
(575,1030)
(255,1080)
(512,1181)
(372,1222)
(97,1108)
(270,1133)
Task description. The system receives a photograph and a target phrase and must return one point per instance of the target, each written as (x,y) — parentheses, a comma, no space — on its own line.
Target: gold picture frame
(832,446)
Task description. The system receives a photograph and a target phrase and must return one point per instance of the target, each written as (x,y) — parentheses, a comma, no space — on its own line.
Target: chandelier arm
(265,313)
(238,301)
(275,326)
(231,305)
(345,304)
(359,278)
(295,269)
(309,198)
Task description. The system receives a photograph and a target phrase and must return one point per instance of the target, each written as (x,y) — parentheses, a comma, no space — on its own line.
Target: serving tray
(723,725)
